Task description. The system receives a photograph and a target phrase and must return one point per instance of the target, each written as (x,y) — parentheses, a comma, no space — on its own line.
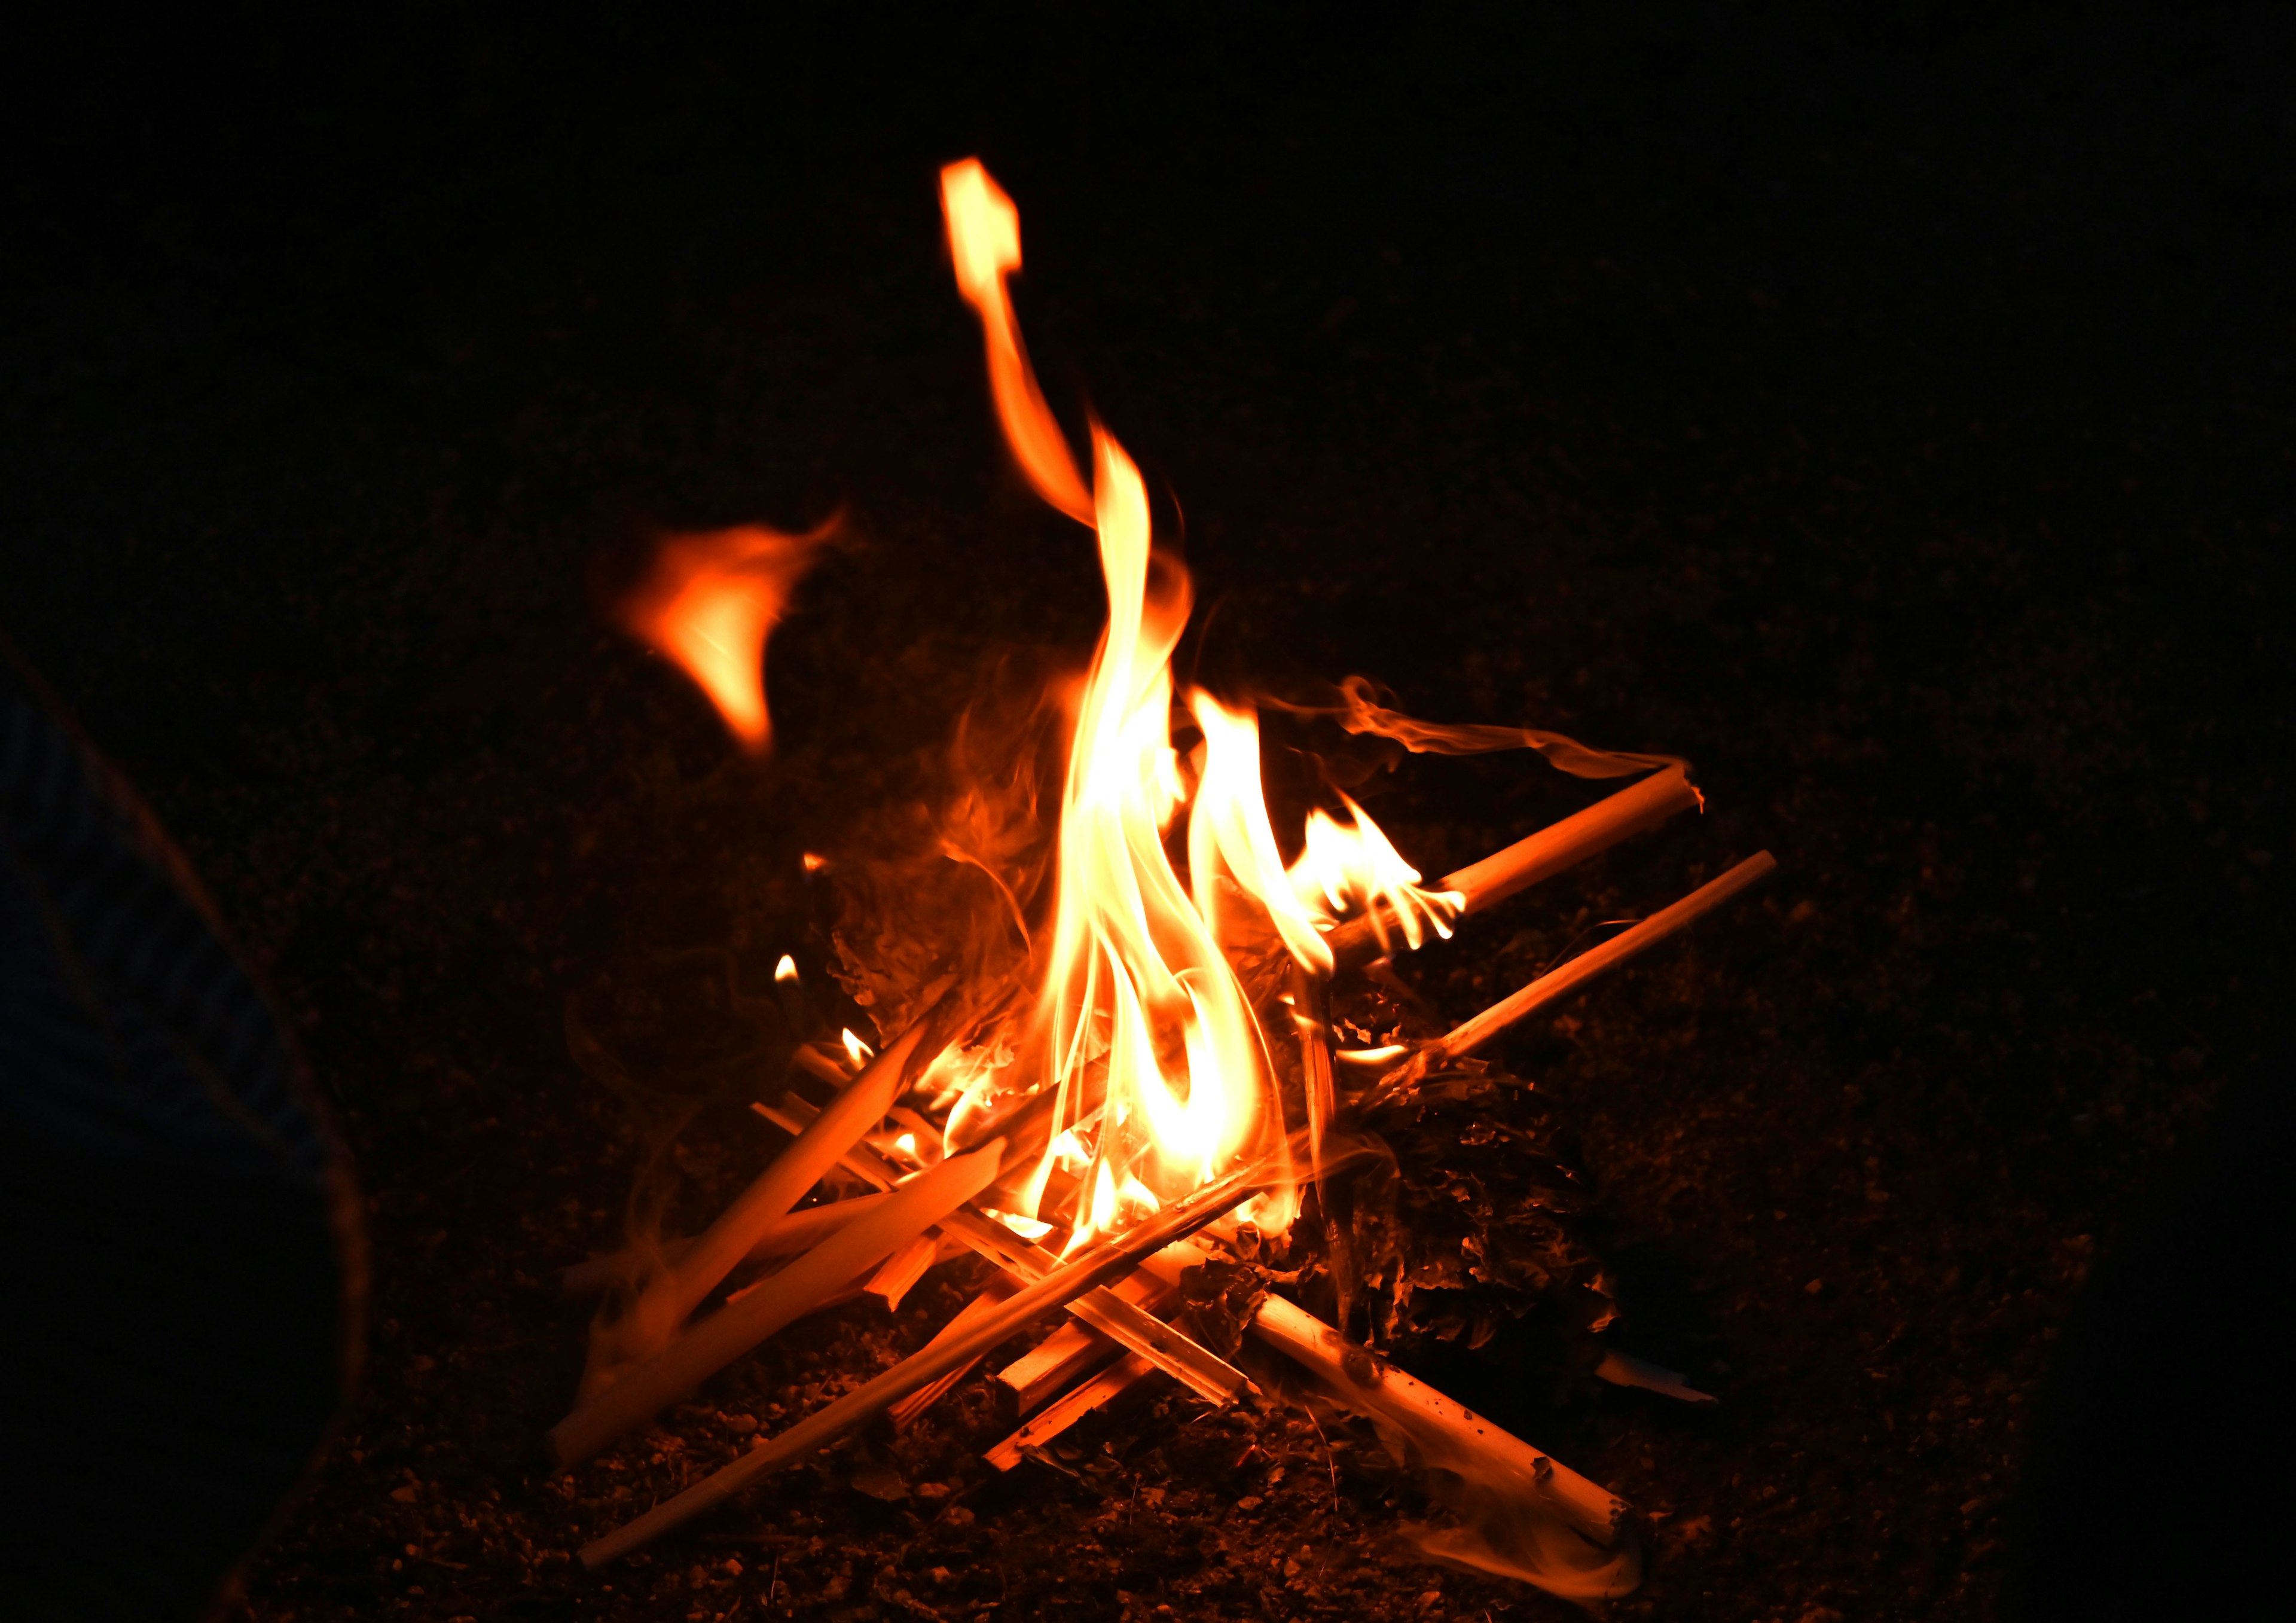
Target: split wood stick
(1362,1378)
(1186,1360)
(1540,855)
(1069,1408)
(857,1107)
(1055,1290)
(1558,984)
(902,1269)
(903,1413)
(800,1231)
(1074,1350)
(738,1326)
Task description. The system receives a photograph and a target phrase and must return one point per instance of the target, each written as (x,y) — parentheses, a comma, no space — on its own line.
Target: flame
(786,969)
(1342,866)
(710,602)
(984,242)
(857,1050)
(1158,1067)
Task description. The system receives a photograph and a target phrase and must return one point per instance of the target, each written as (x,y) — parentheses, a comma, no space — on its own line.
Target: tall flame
(984,242)
(1160,1071)
(710,603)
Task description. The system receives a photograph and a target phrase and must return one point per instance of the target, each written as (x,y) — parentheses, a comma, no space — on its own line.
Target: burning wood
(1541,855)
(1132,1099)
(1558,984)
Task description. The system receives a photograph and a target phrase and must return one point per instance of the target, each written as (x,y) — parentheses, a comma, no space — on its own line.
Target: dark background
(1891,413)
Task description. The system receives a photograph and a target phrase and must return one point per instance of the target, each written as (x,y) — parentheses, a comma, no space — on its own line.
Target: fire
(710,603)
(1355,865)
(1159,1069)
(984,242)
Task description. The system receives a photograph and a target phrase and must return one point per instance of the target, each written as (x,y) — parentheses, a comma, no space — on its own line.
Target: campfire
(1149,1109)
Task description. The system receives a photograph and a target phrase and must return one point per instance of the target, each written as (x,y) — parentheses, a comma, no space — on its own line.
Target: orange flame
(710,602)
(984,241)
(1343,866)
(1159,1069)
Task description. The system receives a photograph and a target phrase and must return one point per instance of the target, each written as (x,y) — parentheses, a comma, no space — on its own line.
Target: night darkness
(1891,415)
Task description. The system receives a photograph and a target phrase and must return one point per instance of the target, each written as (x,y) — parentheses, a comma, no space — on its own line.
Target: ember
(1155,1105)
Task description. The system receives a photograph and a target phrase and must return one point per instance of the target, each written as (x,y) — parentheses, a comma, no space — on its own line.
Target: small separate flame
(857,1050)
(710,603)
(786,969)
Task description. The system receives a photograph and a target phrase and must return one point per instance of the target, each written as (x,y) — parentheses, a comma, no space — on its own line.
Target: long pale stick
(1062,1285)
(741,1324)
(1540,855)
(1370,1381)
(800,1231)
(1560,983)
(664,1304)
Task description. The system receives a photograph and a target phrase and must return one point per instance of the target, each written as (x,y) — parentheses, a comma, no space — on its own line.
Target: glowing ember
(710,603)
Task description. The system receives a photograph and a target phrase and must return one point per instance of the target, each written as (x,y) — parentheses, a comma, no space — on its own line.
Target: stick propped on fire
(1138,1099)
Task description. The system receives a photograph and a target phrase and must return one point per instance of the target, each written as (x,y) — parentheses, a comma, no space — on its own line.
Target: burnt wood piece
(1541,855)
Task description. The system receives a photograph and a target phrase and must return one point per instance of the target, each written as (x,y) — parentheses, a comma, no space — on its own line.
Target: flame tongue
(984,241)
(1158,1067)
(1138,996)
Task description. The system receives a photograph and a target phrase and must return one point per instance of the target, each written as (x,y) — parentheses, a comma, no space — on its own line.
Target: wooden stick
(1069,1408)
(903,1413)
(902,1269)
(1186,1360)
(738,1326)
(1364,1380)
(1055,1290)
(800,1231)
(1560,983)
(857,1107)
(1074,1350)
(1540,855)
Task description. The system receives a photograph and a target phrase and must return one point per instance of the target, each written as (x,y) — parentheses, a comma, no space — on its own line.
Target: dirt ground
(1894,423)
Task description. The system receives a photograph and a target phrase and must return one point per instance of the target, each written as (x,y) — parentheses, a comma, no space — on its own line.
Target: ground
(1892,422)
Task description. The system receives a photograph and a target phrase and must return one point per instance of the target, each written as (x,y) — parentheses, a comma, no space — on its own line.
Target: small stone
(741,1425)
(405,1493)
(957,1516)
(1816,1287)
(1250,1502)
(730,1567)
(698,1576)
